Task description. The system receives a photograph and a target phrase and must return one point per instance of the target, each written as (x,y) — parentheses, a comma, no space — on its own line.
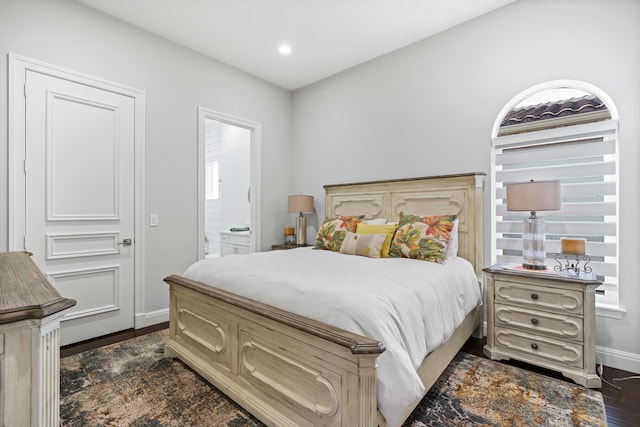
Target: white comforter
(410,306)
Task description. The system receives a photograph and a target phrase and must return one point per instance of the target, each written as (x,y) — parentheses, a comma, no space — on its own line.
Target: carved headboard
(438,195)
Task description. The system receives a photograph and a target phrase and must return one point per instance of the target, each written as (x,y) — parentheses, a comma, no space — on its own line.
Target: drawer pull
(534,321)
(534,296)
(534,346)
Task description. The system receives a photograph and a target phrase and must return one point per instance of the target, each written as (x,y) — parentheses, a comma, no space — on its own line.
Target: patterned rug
(131,383)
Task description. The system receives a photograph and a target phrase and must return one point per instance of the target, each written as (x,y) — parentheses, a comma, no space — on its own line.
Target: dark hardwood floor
(621,404)
(72,349)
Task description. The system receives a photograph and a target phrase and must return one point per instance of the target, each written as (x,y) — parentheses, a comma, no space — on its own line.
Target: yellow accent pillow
(387,229)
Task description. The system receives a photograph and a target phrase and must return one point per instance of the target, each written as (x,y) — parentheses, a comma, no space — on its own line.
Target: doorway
(228,190)
(227,204)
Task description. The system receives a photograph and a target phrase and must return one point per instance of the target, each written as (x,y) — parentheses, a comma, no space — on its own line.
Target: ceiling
(326,36)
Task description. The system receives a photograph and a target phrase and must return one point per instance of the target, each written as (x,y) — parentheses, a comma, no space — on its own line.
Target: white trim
(582,131)
(611,311)
(18,66)
(144,320)
(255,165)
(618,359)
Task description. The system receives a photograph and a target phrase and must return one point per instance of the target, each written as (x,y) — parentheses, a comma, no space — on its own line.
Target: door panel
(80,200)
(86,150)
(103,283)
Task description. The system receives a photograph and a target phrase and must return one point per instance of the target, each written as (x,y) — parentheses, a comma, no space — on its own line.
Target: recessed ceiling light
(284,49)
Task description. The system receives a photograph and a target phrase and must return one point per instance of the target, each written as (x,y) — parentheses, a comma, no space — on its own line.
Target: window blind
(585,160)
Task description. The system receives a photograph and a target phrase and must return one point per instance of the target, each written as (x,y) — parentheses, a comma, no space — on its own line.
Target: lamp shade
(534,196)
(300,203)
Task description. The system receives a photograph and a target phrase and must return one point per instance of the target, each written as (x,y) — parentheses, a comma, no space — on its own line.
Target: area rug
(131,383)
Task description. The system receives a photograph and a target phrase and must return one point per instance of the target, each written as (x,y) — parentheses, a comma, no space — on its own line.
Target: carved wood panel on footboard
(269,363)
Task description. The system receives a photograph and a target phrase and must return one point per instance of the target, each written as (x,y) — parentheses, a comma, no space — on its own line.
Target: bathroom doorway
(227,197)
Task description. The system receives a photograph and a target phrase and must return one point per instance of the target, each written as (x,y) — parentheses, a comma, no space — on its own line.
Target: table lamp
(302,204)
(534,196)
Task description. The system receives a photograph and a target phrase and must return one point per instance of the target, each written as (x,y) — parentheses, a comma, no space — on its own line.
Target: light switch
(154,220)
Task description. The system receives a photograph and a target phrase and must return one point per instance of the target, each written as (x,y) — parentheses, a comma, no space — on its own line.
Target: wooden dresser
(544,319)
(30,312)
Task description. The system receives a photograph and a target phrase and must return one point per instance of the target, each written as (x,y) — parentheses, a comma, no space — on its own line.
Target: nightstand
(283,246)
(544,319)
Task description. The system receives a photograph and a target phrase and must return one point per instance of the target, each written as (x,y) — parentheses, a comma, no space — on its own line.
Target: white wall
(428,109)
(235,173)
(213,207)
(176,81)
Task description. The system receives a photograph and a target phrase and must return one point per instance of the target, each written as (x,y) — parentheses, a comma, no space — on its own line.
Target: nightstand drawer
(235,239)
(528,347)
(554,299)
(540,322)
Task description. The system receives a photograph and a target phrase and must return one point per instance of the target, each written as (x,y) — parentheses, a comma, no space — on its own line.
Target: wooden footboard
(285,369)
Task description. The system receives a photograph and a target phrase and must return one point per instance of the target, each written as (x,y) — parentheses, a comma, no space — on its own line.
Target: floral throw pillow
(332,232)
(422,237)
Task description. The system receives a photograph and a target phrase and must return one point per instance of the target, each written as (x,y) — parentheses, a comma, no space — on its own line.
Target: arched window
(567,131)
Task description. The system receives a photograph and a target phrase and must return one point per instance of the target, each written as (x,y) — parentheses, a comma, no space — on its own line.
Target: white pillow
(452,246)
(375,221)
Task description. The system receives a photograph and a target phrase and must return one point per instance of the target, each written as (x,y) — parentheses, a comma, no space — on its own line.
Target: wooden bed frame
(288,370)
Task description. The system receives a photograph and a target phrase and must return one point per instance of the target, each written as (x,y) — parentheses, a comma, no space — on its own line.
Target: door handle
(126,242)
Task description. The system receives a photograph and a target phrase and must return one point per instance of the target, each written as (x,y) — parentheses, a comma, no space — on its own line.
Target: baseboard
(152,318)
(618,359)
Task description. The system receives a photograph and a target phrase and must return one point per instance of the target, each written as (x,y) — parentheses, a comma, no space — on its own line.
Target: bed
(289,369)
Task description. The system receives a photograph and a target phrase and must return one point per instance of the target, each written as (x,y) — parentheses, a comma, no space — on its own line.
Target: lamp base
(533,253)
(534,266)
(301,231)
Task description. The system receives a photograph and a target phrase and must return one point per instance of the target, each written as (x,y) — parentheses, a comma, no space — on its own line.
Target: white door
(79,200)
